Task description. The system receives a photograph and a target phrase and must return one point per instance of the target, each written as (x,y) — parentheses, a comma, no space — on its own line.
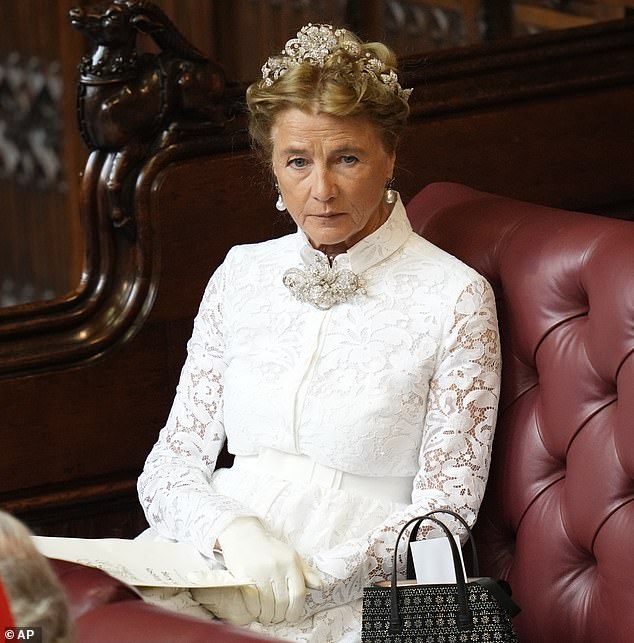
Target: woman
(352,367)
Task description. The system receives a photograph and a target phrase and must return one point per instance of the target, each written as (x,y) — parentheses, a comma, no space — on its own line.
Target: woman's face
(331,172)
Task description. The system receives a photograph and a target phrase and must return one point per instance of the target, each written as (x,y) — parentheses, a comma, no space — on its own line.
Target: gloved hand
(280,575)
(226,603)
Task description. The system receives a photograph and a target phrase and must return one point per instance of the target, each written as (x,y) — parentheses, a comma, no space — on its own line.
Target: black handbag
(475,610)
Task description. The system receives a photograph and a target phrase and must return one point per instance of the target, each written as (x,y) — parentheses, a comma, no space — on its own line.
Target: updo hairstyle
(343,84)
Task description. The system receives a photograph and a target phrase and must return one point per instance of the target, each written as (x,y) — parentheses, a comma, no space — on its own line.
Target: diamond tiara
(313,45)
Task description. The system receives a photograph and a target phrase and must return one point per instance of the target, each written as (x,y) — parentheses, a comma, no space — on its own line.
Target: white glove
(226,603)
(280,575)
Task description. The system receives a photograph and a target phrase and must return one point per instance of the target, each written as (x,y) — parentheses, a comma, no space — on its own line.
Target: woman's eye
(298,163)
(348,159)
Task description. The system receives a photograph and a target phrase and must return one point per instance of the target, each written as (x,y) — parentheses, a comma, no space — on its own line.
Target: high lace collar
(367,252)
(323,284)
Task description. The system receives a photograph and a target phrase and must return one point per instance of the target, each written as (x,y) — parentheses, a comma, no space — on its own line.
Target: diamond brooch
(322,285)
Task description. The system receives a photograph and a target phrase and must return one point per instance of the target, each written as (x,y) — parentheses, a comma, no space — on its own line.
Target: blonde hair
(342,84)
(35,594)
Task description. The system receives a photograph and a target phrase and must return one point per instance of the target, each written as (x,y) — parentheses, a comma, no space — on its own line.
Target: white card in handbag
(433,562)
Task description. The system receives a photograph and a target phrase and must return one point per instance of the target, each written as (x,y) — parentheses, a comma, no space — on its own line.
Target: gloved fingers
(282,598)
(251,597)
(273,601)
(296,598)
(312,579)
(205,595)
(225,603)
(280,575)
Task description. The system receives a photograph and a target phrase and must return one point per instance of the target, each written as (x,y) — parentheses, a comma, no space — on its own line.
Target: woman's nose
(324,185)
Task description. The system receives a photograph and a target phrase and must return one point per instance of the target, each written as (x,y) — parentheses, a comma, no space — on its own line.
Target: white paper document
(140,562)
(433,562)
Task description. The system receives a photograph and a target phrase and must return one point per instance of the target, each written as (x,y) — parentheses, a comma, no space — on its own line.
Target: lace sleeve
(174,488)
(454,456)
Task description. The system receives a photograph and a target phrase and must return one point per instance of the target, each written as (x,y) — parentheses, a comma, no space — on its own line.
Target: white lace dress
(400,381)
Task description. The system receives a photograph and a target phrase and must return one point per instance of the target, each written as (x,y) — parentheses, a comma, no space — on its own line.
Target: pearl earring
(390,194)
(279,204)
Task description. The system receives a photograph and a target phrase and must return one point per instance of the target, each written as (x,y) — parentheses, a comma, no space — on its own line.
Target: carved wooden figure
(124,100)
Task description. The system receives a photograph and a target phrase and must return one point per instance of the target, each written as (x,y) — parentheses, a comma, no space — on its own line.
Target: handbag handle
(464,614)
(475,567)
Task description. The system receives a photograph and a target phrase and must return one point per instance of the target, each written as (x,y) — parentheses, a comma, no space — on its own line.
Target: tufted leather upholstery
(558,517)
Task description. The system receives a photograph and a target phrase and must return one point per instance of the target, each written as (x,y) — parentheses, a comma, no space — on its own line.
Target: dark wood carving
(86,381)
(125,99)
